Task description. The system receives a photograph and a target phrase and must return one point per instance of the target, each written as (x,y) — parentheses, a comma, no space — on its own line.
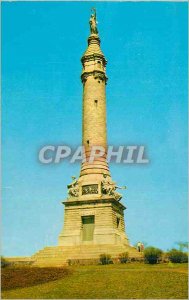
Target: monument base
(92,226)
(83,254)
(93,221)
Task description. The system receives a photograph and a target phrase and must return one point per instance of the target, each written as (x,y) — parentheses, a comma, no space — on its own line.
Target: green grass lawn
(134,280)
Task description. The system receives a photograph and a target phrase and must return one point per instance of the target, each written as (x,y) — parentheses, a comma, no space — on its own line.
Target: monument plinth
(93,214)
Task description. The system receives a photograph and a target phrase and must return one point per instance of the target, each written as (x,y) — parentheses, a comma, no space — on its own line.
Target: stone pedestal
(93,221)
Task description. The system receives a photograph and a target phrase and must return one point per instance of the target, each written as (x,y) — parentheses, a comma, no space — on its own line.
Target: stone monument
(93,215)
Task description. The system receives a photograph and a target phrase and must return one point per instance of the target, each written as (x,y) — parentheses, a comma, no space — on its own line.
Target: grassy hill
(135,280)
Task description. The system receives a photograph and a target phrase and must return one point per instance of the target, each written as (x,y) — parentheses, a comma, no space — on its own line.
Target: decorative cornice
(95,38)
(92,57)
(97,75)
(106,200)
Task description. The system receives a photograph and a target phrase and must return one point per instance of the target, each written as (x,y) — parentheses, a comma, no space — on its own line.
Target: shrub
(177,256)
(105,259)
(123,257)
(184,257)
(4,262)
(152,255)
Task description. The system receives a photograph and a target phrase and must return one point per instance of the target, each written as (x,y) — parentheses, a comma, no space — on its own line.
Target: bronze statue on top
(93,22)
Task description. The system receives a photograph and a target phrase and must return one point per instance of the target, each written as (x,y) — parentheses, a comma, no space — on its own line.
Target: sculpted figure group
(73,188)
(108,187)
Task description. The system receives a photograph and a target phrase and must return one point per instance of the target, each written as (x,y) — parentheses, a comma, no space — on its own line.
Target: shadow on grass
(19,277)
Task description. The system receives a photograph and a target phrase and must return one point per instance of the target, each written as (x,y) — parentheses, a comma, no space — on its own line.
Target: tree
(182,245)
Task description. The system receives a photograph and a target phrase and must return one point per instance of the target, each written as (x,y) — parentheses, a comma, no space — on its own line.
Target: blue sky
(146,48)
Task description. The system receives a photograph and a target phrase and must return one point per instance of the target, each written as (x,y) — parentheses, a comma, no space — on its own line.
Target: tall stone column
(94,109)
